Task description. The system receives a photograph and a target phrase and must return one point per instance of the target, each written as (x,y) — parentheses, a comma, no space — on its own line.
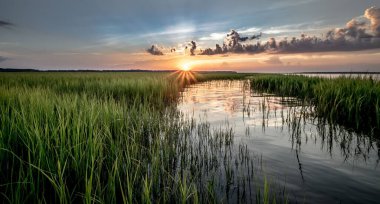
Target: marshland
(188,137)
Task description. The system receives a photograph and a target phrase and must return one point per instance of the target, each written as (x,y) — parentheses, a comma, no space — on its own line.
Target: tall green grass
(350,101)
(153,88)
(110,138)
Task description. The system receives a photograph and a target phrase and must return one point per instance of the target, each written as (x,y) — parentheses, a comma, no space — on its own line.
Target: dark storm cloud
(154,50)
(356,35)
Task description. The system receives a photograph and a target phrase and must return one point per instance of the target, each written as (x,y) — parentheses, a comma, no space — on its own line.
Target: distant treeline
(167,70)
(76,70)
(337,73)
(91,70)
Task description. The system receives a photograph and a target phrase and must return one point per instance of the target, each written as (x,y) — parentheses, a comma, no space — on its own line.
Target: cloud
(358,34)
(214,36)
(231,44)
(2,59)
(373,14)
(184,28)
(154,50)
(193,46)
(273,60)
(250,30)
(5,23)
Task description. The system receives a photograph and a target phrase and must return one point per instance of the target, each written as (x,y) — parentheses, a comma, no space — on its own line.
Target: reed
(110,138)
(350,101)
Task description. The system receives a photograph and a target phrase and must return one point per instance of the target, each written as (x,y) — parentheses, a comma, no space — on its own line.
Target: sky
(252,35)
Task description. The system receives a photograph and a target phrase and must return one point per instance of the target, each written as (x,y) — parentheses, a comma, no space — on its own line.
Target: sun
(185,67)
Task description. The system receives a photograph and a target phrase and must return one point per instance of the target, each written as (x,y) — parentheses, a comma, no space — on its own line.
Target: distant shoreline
(91,70)
(77,70)
(336,73)
(143,70)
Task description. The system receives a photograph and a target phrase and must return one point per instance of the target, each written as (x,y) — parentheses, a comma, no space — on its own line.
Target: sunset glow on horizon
(185,67)
(255,36)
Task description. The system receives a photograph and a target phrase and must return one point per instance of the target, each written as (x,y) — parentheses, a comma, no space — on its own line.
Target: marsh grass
(114,137)
(304,125)
(350,101)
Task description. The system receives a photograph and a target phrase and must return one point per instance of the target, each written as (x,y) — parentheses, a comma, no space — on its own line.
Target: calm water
(315,162)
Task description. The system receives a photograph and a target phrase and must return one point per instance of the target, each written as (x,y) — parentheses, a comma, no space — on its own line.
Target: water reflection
(316,161)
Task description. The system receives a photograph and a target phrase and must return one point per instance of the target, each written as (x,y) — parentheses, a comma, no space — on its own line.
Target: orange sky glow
(326,61)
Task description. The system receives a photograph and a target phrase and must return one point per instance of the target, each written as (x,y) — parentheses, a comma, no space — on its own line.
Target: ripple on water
(316,162)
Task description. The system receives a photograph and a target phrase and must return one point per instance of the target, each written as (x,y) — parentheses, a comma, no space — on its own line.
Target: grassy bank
(113,137)
(350,101)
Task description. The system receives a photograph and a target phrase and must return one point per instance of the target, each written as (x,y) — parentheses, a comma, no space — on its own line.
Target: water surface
(316,163)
